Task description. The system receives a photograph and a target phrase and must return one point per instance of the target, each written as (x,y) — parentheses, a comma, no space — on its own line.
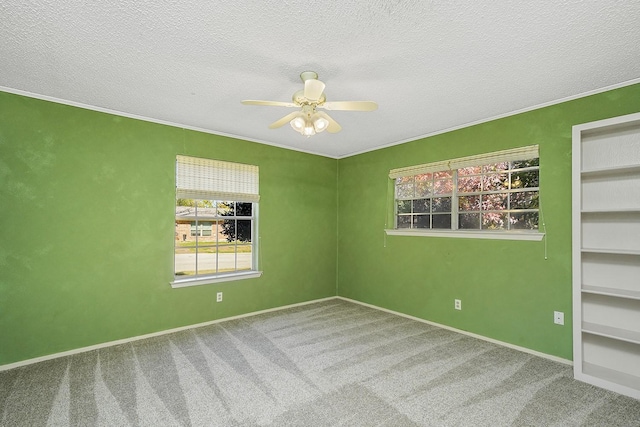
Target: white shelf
(632,337)
(615,170)
(611,211)
(606,253)
(610,251)
(611,375)
(611,292)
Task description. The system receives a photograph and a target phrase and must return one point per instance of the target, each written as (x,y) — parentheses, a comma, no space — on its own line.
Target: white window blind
(521,153)
(198,178)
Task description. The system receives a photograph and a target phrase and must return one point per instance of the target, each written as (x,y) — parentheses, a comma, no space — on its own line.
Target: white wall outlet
(558,318)
(457,304)
(219,297)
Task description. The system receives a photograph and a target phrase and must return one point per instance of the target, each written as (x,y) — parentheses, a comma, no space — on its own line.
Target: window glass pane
(404,191)
(494,167)
(205,214)
(243,209)
(524,220)
(244,259)
(469,203)
(525,163)
(443,186)
(404,180)
(441,204)
(423,185)
(404,221)
(185,203)
(185,210)
(495,182)
(185,246)
(225,246)
(404,206)
(203,205)
(524,179)
(472,184)
(420,205)
(185,262)
(469,221)
(472,170)
(494,202)
(494,220)
(207,261)
(228,229)
(421,221)
(524,200)
(243,231)
(183,235)
(442,221)
(443,174)
(225,208)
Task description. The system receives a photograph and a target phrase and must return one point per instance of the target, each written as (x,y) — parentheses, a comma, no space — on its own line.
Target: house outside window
(216,213)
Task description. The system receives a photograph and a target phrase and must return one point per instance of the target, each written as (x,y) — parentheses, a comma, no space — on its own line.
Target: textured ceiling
(430,65)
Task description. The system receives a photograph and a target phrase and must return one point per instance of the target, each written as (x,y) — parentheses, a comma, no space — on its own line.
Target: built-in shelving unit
(606,253)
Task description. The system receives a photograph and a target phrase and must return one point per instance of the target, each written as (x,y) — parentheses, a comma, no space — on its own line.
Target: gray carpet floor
(332,363)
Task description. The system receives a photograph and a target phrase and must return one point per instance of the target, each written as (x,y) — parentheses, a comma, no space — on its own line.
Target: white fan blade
(350,105)
(283,121)
(313,89)
(333,125)
(269,103)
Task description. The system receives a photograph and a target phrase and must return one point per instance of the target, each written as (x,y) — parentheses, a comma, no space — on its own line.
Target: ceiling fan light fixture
(307,121)
(298,123)
(309,129)
(320,123)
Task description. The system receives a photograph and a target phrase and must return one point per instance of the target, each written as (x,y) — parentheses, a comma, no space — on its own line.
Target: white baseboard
(460,331)
(154,334)
(270,310)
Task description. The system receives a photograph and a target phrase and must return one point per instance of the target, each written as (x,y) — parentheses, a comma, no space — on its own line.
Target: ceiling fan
(308,120)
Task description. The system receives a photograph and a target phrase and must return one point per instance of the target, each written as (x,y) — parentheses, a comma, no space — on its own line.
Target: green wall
(87,228)
(508,289)
(87,225)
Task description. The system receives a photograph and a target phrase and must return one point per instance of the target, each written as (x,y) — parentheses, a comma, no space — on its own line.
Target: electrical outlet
(558,318)
(219,297)
(457,304)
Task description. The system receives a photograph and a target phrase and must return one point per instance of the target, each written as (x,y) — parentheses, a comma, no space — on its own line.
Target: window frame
(197,181)
(454,165)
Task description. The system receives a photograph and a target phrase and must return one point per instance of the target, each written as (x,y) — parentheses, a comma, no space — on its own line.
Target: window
(200,228)
(490,193)
(215,221)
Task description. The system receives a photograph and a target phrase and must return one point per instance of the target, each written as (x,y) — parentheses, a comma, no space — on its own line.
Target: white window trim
(469,234)
(206,280)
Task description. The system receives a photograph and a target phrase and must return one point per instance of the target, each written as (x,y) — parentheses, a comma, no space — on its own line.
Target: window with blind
(216,214)
(494,192)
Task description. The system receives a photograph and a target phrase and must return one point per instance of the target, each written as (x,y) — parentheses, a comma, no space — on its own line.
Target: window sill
(471,234)
(206,280)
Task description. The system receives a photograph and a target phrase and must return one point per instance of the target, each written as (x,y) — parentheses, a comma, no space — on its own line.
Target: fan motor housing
(300,99)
